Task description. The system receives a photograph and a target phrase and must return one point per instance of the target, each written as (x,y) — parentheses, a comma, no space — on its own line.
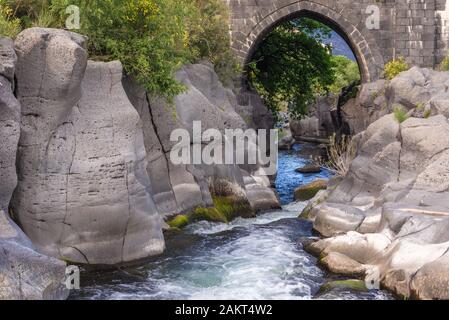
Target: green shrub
(225,209)
(149,37)
(9,25)
(395,67)
(400,114)
(152,38)
(444,66)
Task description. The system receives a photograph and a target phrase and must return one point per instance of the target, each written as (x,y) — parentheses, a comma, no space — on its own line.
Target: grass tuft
(400,114)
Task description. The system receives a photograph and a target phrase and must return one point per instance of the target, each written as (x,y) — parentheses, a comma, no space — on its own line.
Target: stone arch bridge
(415,29)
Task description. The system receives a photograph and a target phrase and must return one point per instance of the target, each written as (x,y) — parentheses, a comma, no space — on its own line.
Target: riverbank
(256,258)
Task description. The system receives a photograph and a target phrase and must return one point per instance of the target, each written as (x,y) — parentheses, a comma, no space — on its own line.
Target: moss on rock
(352,284)
(310,190)
(179,222)
(225,209)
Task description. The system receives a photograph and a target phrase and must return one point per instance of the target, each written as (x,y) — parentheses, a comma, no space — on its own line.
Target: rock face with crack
(9,123)
(391,212)
(26,274)
(83,192)
(183,187)
(95,174)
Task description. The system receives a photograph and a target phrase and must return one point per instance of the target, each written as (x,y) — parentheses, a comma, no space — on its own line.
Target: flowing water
(256,258)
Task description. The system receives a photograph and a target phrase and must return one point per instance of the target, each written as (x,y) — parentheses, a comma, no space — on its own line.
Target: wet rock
(309,191)
(309,169)
(312,208)
(353,285)
(338,263)
(286,143)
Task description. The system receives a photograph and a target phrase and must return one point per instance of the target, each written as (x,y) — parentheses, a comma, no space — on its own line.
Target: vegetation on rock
(400,114)
(9,24)
(152,38)
(310,190)
(225,209)
(340,154)
(395,67)
(444,66)
(354,285)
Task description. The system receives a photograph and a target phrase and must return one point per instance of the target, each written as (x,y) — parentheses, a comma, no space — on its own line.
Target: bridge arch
(363,45)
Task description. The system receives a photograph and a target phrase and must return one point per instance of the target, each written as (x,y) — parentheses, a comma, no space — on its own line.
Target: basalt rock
(308,191)
(423,92)
(9,137)
(396,195)
(8,59)
(26,274)
(83,192)
(182,188)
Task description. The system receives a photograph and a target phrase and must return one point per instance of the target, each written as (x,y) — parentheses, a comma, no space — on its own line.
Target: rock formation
(24,272)
(181,188)
(9,123)
(94,175)
(391,211)
(83,192)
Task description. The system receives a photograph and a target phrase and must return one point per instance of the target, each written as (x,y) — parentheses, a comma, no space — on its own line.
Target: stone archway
(370,61)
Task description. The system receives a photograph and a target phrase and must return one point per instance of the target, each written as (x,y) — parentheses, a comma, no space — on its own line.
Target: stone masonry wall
(415,29)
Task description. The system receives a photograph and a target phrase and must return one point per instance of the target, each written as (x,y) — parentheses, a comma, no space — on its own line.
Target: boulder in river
(310,168)
(308,191)
(339,263)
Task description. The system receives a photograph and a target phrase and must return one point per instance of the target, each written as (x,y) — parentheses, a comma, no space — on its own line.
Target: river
(256,258)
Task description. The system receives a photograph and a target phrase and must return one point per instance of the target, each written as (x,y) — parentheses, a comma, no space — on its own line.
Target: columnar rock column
(83,192)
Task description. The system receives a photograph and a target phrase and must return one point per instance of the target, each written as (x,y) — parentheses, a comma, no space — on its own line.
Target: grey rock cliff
(83,192)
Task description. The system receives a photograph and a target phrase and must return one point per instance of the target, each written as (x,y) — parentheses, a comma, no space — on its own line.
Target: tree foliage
(346,73)
(9,24)
(152,38)
(292,66)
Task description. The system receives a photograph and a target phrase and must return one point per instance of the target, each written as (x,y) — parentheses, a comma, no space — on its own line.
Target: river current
(257,258)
